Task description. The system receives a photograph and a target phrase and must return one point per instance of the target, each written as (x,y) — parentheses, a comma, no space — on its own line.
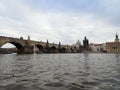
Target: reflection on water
(60,72)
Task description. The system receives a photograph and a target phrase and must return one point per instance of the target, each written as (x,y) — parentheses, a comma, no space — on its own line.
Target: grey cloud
(63,26)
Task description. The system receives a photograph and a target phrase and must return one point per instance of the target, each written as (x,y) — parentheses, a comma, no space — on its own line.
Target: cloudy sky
(61,20)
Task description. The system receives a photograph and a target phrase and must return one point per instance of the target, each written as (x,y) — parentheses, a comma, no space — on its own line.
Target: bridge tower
(86,44)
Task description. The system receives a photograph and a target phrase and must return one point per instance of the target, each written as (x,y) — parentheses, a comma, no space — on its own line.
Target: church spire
(116,39)
(116,36)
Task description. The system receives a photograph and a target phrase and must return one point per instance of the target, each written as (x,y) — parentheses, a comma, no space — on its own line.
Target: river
(60,72)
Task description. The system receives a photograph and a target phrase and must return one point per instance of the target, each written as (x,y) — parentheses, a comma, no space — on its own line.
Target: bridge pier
(26,50)
(20,50)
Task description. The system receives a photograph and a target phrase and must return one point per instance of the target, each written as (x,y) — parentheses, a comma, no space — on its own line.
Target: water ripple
(60,72)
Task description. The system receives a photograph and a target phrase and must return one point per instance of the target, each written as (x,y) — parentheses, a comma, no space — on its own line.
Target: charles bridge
(29,46)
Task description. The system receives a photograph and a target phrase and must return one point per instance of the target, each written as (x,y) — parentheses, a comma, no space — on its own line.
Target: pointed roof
(116,38)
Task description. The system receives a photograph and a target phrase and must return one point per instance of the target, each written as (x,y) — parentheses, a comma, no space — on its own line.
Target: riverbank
(8,50)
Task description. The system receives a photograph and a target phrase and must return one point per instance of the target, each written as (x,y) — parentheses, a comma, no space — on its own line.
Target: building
(113,47)
(98,47)
(78,44)
(77,47)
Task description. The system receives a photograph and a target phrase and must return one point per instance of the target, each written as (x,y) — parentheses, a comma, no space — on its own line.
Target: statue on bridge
(28,37)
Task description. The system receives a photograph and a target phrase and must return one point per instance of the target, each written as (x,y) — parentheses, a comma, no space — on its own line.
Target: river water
(60,72)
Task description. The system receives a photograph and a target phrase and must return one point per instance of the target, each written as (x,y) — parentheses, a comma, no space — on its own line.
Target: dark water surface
(60,72)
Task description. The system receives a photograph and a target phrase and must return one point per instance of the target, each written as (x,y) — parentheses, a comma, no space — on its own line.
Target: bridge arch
(40,49)
(8,45)
(63,50)
(53,49)
(16,44)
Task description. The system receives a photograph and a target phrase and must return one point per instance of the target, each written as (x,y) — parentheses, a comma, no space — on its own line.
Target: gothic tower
(86,43)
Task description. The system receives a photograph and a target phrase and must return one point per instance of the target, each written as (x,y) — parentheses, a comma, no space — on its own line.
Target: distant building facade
(77,47)
(113,47)
(98,47)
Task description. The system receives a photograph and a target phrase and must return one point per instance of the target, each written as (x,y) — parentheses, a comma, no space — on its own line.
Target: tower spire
(117,38)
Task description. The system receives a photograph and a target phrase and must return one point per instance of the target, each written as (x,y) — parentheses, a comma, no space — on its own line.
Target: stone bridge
(29,46)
